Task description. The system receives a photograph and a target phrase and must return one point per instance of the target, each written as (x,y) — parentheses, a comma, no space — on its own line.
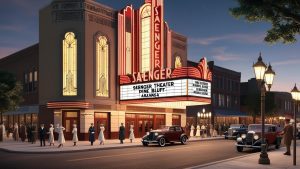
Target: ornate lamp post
(296,97)
(264,76)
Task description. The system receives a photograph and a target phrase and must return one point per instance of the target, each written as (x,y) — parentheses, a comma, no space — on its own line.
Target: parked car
(253,138)
(168,134)
(235,131)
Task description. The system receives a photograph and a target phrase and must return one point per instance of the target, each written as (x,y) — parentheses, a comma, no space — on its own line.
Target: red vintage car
(168,134)
(253,138)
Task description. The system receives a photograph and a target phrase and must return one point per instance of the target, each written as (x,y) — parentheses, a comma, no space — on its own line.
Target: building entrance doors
(70,118)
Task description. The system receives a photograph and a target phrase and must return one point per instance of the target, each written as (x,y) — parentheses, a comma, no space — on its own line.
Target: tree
(283,14)
(10,92)
(253,104)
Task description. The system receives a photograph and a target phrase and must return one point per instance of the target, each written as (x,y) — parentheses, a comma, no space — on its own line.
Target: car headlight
(147,133)
(156,134)
(233,130)
(243,136)
(239,139)
(256,137)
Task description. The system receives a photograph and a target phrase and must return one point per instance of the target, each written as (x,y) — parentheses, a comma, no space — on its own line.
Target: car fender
(159,136)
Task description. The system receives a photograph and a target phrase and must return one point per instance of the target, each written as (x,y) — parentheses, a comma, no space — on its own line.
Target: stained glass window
(102,50)
(70,65)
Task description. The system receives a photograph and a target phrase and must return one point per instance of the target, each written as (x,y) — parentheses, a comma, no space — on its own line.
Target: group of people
(101,137)
(18,132)
(202,130)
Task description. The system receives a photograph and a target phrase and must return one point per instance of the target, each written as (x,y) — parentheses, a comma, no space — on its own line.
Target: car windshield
(235,126)
(257,128)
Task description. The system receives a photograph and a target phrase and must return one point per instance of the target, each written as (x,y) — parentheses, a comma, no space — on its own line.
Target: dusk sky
(211,30)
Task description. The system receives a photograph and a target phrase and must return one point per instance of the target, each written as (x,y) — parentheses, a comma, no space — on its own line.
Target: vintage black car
(168,134)
(253,138)
(235,131)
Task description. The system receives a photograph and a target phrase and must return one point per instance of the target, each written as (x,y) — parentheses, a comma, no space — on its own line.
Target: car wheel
(145,144)
(183,140)
(162,142)
(239,149)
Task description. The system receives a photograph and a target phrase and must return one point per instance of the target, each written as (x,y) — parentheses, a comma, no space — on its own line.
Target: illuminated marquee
(169,88)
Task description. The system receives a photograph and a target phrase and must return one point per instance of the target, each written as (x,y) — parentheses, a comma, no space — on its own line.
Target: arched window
(70,65)
(145,38)
(178,62)
(102,66)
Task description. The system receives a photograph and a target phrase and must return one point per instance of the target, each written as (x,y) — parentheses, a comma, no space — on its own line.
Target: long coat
(51,135)
(61,137)
(92,134)
(288,134)
(122,133)
(23,132)
(75,137)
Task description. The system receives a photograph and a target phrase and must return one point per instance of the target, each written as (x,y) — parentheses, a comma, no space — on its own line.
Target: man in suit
(288,136)
(42,134)
(92,134)
(122,133)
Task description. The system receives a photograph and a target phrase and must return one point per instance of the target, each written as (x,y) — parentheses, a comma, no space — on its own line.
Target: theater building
(103,66)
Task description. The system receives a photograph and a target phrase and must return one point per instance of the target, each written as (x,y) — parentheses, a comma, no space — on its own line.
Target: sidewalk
(25,147)
(277,159)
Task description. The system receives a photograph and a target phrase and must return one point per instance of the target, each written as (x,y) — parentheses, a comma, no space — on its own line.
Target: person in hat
(51,135)
(42,134)
(75,137)
(92,134)
(288,136)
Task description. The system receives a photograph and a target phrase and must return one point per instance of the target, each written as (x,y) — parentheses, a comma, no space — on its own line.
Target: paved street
(172,156)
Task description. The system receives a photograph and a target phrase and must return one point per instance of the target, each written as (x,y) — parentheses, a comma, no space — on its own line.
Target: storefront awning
(230,113)
(23,110)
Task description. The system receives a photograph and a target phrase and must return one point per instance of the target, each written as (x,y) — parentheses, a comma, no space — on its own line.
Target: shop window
(102,50)
(34,118)
(145,38)
(28,118)
(70,65)
(178,62)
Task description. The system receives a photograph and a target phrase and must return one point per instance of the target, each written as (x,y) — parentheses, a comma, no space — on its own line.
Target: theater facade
(103,66)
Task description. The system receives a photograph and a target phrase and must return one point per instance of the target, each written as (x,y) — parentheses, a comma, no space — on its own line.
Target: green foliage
(284,15)
(253,104)
(10,92)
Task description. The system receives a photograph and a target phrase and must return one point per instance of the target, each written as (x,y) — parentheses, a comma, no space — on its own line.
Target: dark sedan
(169,134)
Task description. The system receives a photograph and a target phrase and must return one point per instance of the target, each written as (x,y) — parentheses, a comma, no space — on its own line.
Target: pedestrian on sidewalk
(22,132)
(32,133)
(51,135)
(3,131)
(42,134)
(92,134)
(61,137)
(288,136)
(101,134)
(131,135)
(121,133)
(75,137)
(16,132)
(28,133)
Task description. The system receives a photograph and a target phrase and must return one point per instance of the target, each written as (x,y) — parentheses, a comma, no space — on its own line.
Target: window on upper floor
(102,65)
(69,65)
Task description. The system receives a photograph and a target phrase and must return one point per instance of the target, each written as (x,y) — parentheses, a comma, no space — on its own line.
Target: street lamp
(264,76)
(296,97)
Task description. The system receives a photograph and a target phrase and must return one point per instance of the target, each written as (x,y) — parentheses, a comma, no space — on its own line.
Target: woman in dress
(131,135)
(101,135)
(16,132)
(51,135)
(75,137)
(61,137)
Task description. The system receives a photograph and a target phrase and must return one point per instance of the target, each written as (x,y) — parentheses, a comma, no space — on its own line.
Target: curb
(90,149)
